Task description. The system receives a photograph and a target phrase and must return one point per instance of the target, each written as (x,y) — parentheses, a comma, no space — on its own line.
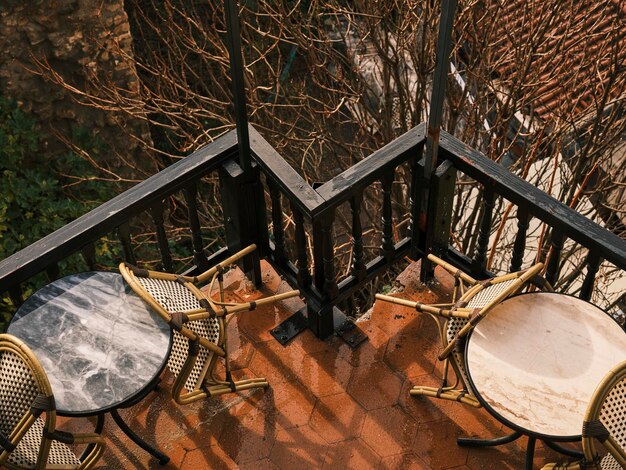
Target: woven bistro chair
(199,325)
(29,440)
(471,301)
(604,423)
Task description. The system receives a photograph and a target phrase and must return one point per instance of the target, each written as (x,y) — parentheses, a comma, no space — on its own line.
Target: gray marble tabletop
(98,342)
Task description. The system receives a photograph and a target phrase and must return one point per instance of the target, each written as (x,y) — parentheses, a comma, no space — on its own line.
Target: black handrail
(318,207)
(546,208)
(72,237)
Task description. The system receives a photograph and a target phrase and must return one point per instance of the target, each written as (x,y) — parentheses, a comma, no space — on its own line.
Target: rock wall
(80,40)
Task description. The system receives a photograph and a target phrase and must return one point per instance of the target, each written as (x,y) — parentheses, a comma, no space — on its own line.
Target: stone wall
(80,40)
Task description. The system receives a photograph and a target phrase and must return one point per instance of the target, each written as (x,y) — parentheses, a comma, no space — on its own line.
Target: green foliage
(30,197)
(37,196)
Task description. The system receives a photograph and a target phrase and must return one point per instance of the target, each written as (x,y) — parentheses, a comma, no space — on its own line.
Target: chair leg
(448,393)
(238,386)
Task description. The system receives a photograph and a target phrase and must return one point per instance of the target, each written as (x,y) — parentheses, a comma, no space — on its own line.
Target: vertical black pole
(440,78)
(242,194)
(236,73)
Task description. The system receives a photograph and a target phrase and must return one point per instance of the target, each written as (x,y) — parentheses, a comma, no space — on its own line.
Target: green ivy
(33,199)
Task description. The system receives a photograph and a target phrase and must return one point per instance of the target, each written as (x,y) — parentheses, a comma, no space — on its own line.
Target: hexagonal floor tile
(325,373)
(389,431)
(411,355)
(299,448)
(375,386)
(352,454)
(434,444)
(337,417)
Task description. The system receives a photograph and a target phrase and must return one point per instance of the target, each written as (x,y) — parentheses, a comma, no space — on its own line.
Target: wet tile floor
(328,406)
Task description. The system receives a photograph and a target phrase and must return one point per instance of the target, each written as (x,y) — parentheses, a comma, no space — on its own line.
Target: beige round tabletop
(536,359)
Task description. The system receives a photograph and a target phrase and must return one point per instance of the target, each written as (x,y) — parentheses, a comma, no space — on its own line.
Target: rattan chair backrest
(22,382)
(174,297)
(605,420)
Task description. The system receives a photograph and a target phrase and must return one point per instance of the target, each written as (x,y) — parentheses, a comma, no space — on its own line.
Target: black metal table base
(161,457)
(530,448)
(563,450)
(473,442)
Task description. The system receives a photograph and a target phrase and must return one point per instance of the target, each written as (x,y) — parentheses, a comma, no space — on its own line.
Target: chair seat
(25,454)
(199,323)
(177,298)
(455,324)
(608,462)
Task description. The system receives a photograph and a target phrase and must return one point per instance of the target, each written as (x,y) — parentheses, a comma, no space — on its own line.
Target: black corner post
(240,185)
(236,76)
(426,200)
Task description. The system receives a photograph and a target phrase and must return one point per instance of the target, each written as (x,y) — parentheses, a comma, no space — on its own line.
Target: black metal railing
(563,223)
(255,204)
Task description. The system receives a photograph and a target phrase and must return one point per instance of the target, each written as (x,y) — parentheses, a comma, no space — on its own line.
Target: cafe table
(534,362)
(102,348)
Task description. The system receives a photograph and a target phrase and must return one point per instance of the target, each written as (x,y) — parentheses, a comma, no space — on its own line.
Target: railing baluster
(156,211)
(277,222)
(89,255)
(52,272)
(556,245)
(480,259)
(318,254)
(358,267)
(16,296)
(387,247)
(520,239)
(194,224)
(124,235)
(302,261)
(593,263)
(330,284)
(416,190)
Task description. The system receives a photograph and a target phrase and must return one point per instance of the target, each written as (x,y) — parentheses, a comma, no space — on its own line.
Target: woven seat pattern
(26,452)
(471,300)
(613,416)
(480,300)
(175,297)
(27,409)
(18,390)
(199,325)
(609,463)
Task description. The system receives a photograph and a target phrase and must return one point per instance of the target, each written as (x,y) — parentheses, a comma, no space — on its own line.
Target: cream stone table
(101,346)
(534,362)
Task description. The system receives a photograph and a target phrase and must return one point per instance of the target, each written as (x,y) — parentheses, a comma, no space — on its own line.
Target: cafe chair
(471,300)
(604,423)
(28,438)
(199,325)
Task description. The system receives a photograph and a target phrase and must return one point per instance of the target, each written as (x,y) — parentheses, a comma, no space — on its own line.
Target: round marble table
(101,346)
(535,360)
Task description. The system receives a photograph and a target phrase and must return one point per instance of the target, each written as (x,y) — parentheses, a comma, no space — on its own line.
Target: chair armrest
(452,269)
(205,276)
(264,301)
(442,312)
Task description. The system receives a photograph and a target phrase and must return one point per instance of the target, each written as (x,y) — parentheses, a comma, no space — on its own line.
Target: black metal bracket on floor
(345,328)
(289,329)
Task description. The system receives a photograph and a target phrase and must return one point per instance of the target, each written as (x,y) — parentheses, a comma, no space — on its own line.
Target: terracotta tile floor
(328,406)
